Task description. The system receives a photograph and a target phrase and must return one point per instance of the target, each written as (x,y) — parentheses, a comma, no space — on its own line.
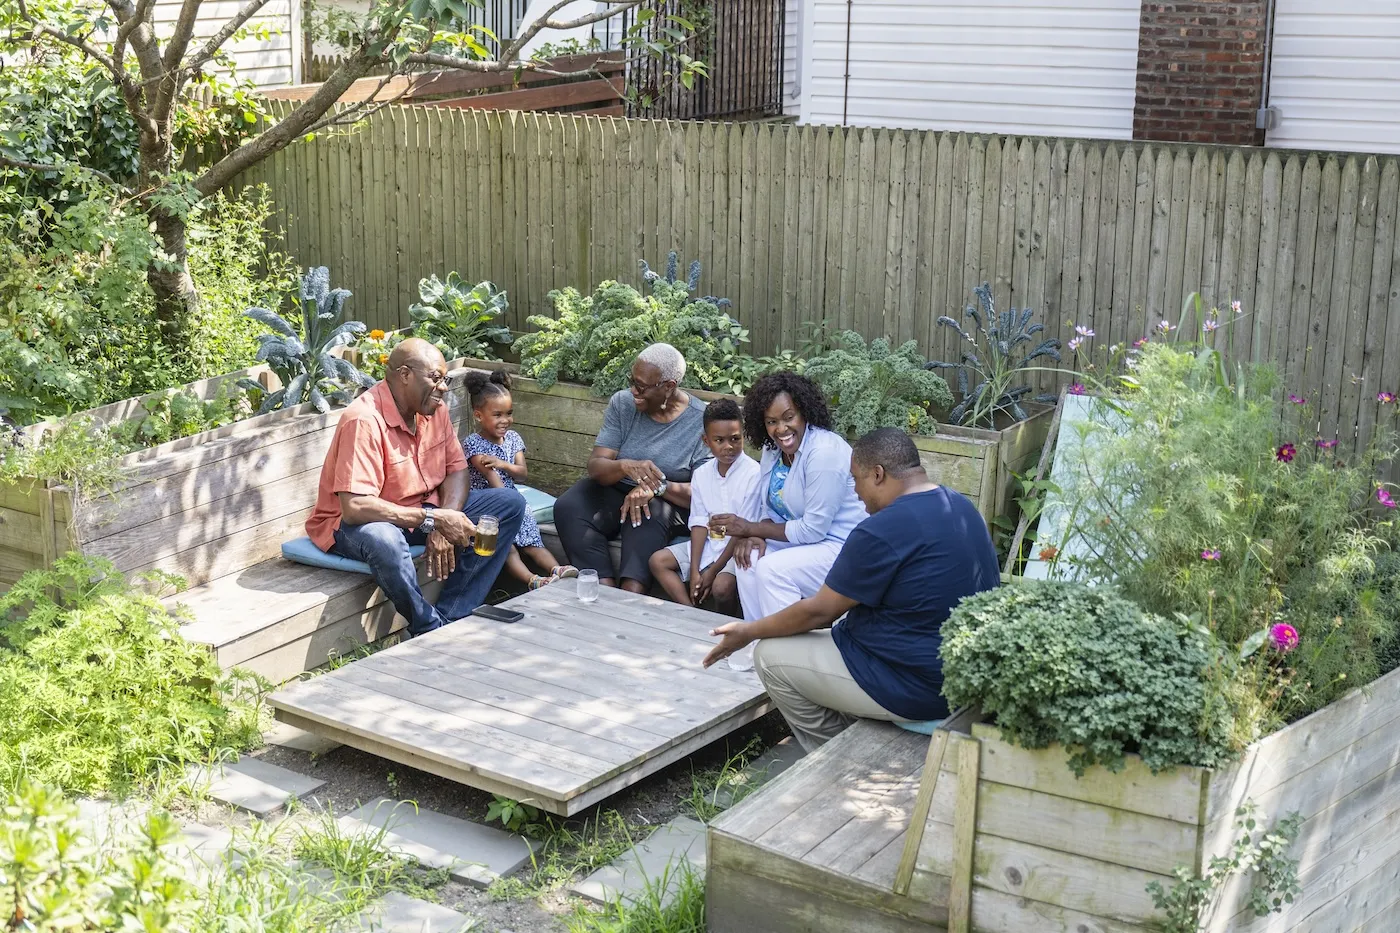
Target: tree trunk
(170,281)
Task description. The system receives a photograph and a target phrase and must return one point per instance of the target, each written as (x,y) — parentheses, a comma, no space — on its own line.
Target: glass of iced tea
(717,533)
(487,528)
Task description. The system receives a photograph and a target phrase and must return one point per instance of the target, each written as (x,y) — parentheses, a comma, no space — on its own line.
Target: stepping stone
(656,858)
(253,785)
(203,847)
(106,819)
(762,770)
(288,736)
(399,913)
(471,853)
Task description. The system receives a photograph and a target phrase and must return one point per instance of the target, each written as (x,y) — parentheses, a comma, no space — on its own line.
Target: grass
(716,790)
(673,903)
(566,853)
(363,859)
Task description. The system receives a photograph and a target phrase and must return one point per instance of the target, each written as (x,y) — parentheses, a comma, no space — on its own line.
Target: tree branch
(82,45)
(211,48)
(40,167)
(179,40)
(133,29)
(529,32)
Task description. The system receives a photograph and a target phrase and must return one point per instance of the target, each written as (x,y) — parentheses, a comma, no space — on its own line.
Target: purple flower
(1210,553)
(1165,327)
(1384,497)
(1076,389)
(1326,445)
(1210,325)
(1139,343)
(1083,331)
(1236,307)
(1297,400)
(1283,637)
(1385,398)
(1286,453)
(1074,343)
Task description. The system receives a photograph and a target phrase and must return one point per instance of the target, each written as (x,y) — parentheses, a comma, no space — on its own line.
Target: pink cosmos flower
(1297,400)
(1165,327)
(1236,307)
(1210,325)
(1286,453)
(1284,637)
(1083,331)
(1074,343)
(1385,398)
(1139,343)
(1384,497)
(1210,553)
(1327,445)
(1076,389)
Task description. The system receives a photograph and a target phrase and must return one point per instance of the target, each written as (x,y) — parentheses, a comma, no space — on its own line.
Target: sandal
(563,572)
(537,581)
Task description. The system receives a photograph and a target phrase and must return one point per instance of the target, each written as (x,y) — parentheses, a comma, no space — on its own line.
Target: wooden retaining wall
(877,230)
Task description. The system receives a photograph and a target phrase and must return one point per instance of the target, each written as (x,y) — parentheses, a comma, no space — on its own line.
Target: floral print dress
(511,444)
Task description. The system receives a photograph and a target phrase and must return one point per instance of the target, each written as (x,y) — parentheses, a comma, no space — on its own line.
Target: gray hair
(665,358)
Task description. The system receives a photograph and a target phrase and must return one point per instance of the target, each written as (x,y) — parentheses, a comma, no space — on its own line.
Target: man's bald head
(416,352)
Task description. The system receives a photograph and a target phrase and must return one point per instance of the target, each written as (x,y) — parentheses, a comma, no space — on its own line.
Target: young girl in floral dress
(496,458)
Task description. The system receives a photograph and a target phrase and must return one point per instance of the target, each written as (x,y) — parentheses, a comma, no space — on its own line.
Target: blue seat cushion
(303,551)
(540,504)
(923,728)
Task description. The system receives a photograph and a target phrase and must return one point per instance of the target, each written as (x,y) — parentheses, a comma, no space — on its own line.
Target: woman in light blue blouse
(807,492)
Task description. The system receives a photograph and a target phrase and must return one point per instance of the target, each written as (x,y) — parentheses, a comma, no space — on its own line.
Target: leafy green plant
(595,340)
(76,453)
(1263,851)
(460,321)
(303,360)
(1084,667)
(713,792)
(674,902)
(374,352)
(177,413)
(877,386)
(512,814)
(998,351)
(568,851)
(99,688)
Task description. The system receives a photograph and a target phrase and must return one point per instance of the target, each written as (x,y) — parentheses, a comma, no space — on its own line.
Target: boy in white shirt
(725,484)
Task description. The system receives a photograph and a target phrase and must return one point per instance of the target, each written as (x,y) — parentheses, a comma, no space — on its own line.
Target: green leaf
(1253,643)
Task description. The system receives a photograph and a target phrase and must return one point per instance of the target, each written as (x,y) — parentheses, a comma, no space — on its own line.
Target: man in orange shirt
(395,476)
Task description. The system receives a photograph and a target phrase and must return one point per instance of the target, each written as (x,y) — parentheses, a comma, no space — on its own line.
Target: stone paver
(291,737)
(656,859)
(253,785)
(106,819)
(203,848)
(472,853)
(399,913)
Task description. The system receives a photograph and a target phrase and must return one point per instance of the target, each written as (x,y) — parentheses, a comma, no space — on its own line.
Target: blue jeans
(384,547)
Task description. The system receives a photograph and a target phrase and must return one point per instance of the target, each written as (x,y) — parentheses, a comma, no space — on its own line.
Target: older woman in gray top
(638,483)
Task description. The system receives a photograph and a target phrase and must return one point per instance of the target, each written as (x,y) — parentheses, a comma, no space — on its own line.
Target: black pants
(588,516)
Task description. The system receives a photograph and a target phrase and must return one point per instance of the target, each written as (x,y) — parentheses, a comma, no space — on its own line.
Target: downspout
(1265,117)
(846,86)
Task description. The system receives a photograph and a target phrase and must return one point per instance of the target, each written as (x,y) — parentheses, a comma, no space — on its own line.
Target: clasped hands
(451,530)
(647,476)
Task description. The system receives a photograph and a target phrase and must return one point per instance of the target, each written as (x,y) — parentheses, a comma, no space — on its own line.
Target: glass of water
(587,586)
(742,660)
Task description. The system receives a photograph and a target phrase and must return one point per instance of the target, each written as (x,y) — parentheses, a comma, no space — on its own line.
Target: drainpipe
(1266,117)
(846,87)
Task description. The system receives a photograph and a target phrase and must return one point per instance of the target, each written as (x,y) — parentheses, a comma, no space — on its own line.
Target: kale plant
(595,340)
(461,321)
(994,362)
(877,386)
(692,282)
(304,362)
(1084,667)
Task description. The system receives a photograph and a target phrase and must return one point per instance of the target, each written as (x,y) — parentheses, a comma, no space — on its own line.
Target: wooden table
(560,710)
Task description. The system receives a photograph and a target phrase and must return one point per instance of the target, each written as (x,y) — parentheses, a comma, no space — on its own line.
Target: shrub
(877,386)
(99,688)
(177,413)
(460,321)
(595,340)
(1084,667)
(996,355)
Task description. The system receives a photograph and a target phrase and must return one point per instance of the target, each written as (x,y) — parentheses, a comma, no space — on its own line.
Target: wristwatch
(427,526)
(659,490)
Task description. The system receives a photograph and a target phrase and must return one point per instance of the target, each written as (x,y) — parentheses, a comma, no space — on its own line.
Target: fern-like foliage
(303,359)
(878,386)
(462,321)
(998,351)
(595,340)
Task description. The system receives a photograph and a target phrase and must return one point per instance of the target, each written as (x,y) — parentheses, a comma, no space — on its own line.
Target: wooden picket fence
(877,230)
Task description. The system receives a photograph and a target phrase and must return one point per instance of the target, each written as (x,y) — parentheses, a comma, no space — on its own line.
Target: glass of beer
(717,532)
(487,528)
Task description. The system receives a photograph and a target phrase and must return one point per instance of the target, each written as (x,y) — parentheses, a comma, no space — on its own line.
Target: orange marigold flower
(376,334)
(1049,552)
(383,359)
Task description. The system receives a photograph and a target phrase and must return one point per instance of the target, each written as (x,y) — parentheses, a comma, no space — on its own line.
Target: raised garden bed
(1013,842)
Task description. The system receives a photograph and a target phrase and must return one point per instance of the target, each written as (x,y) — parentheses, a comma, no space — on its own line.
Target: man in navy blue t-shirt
(899,574)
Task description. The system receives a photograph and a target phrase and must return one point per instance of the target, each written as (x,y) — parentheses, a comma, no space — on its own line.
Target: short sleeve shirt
(373,453)
(907,566)
(676,447)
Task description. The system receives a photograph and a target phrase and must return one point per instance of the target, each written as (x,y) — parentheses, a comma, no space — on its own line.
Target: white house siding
(792,20)
(1336,75)
(1045,67)
(267,62)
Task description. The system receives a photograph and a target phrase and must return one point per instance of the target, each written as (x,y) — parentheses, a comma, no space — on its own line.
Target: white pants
(784,575)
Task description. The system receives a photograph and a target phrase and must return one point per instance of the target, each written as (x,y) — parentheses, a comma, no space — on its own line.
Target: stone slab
(399,913)
(203,848)
(472,853)
(106,820)
(252,785)
(650,862)
(289,736)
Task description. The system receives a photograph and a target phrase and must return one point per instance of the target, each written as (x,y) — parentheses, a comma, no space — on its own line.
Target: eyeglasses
(641,388)
(434,378)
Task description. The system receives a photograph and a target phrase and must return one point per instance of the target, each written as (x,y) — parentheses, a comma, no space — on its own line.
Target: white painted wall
(1336,75)
(274,61)
(792,80)
(1045,67)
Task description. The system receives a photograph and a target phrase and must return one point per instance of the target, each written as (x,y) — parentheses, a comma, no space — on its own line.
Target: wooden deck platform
(561,710)
(817,849)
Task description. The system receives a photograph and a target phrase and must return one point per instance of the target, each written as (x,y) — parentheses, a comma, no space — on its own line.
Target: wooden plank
(1067,302)
(1290,204)
(994,910)
(834,211)
(1131,320)
(1359,384)
(1054,243)
(933,764)
(439,83)
(964,836)
(795,181)
(21,531)
(1302,319)
(597,92)
(1212,233)
(930,283)
(817,246)
(1379,365)
(1198,199)
(1324,267)
(1159,305)
(1005,241)
(1261,233)
(1088,249)
(902,315)
(1033,294)
(1104,309)
(1143,209)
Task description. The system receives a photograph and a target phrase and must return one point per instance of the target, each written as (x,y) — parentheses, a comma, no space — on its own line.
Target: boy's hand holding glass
(731,525)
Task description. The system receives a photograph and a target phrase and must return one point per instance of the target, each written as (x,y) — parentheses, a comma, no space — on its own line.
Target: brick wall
(1200,69)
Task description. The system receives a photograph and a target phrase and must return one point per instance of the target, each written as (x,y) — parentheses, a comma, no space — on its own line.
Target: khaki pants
(809,683)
